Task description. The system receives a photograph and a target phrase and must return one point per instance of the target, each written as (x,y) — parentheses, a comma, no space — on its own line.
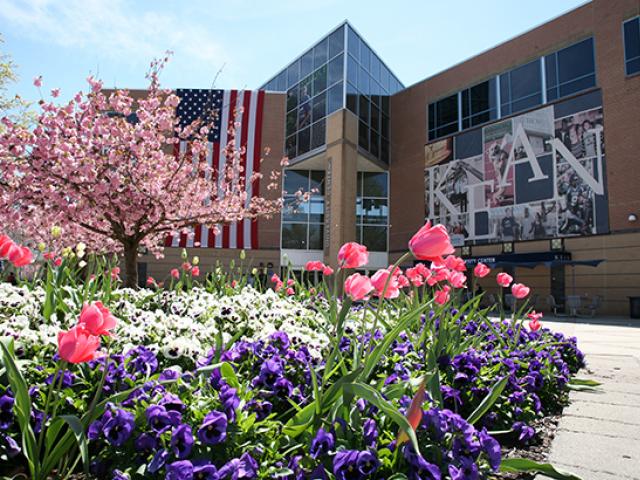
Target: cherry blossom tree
(114,184)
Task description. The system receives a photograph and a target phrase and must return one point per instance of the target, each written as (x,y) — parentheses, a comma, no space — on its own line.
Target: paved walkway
(598,437)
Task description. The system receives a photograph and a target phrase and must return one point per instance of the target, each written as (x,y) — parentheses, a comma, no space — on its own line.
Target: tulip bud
(80,247)
(184,254)
(196,260)
(82,264)
(41,246)
(243,254)
(56,231)
(254,271)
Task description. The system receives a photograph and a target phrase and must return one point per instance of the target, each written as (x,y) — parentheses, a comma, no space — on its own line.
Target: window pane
(375,67)
(295,180)
(364,108)
(291,122)
(281,81)
(550,70)
(577,85)
(335,69)
(505,89)
(632,38)
(354,44)
(384,150)
(576,61)
(335,99)
(306,64)
(320,53)
(465,103)
(294,210)
(291,145)
(385,126)
(375,118)
(363,135)
(304,115)
(375,238)
(316,234)
(359,188)
(292,98)
(447,112)
(633,66)
(336,42)
(525,81)
(304,141)
(316,209)
(320,80)
(293,73)
(374,143)
(352,70)
(352,98)
(318,135)
(482,97)
(363,80)
(385,105)
(374,211)
(375,184)
(317,181)
(385,78)
(365,56)
(294,236)
(319,107)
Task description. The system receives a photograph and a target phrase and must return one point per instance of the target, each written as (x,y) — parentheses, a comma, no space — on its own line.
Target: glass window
(293,210)
(296,180)
(290,146)
(363,80)
(320,80)
(304,115)
(374,143)
(570,70)
(363,135)
(316,181)
(364,108)
(319,107)
(318,134)
(292,118)
(374,211)
(521,88)
(352,70)
(384,150)
(320,53)
(365,56)
(294,236)
(375,184)
(385,78)
(374,238)
(375,67)
(293,73)
(335,98)
(352,98)
(335,69)
(385,126)
(316,234)
(306,64)
(336,42)
(375,118)
(479,104)
(304,90)
(354,44)
(292,98)
(304,141)
(632,46)
(443,117)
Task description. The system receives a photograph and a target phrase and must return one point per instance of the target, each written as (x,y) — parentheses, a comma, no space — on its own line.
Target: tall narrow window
(303,221)
(570,70)
(372,210)
(631,30)
(443,117)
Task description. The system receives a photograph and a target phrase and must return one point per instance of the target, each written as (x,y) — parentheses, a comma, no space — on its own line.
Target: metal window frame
(624,46)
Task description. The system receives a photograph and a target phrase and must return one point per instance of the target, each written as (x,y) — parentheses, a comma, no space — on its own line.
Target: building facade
(526,152)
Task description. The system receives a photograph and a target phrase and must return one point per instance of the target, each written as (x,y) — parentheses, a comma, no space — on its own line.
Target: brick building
(526,152)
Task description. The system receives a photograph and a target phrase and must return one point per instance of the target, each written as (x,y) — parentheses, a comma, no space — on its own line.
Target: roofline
(341,24)
(510,39)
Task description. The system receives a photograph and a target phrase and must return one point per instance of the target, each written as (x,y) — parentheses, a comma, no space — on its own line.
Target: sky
(240,43)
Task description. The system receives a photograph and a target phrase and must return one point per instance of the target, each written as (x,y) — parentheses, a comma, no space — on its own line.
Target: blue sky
(66,40)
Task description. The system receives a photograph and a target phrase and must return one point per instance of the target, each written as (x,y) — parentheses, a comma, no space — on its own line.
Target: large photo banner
(538,175)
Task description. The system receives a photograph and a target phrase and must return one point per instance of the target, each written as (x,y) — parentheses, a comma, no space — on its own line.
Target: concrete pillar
(341,181)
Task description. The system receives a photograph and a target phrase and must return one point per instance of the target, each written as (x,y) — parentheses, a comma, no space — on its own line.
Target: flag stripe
(232,106)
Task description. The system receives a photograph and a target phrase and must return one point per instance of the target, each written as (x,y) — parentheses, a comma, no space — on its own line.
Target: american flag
(223,108)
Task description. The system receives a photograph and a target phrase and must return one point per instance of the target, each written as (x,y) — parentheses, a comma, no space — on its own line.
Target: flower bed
(233,384)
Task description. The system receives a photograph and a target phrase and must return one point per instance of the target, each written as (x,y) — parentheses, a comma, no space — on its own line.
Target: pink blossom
(431,243)
(519,290)
(290,291)
(175,273)
(481,270)
(455,263)
(77,345)
(37,81)
(379,280)
(97,319)
(457,279)
(357,286)
(314,266)
(442,296)
(195,271)
(353,255)
(327,270)
(504,279)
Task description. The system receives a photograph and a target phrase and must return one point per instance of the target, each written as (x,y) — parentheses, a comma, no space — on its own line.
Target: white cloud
(115,29)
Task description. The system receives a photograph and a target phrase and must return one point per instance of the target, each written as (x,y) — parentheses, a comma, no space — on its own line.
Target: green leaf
(584,381)
(21,406)
(371,395)
(76,426)
(488,401)
(526,465)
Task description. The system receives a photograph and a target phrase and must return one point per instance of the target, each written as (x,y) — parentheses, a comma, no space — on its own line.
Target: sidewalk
(598,437)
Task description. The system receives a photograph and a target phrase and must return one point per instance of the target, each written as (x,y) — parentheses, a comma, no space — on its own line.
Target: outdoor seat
(591,309)
(555,307)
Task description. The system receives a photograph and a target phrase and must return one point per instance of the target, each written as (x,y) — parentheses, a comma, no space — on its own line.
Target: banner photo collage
(534,176)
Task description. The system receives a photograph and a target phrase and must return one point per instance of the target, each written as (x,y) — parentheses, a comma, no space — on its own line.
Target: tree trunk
(131,265)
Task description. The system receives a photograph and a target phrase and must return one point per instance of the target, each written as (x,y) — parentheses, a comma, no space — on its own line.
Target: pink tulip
(48,255)
(504,279)
(414,414)
(353,255)
(96,319)
(520,290)
(534,316)
(4,239)
(234,284)
(115,273)
(455,263)
(290,291)
(279,285)
(457,279)
(357,286)
(438,273)
(6,246)
(403,281)
(379,280)
(58,261)
(314,266)
(327,270)
(20,256)
(175,273)
(186,266)
(290,282)
(414,276)
(442,296)
(151,281)
(431,243)
(275,278)
(77,345)
(534,325)
(481,270)
(195,271)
